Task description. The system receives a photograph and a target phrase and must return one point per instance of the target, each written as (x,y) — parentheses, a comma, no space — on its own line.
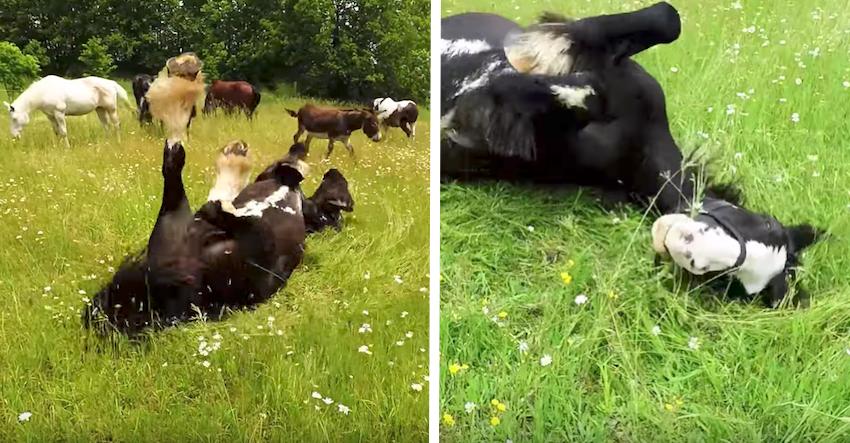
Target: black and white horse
(141,84)
(562,101)
(397,114)
(722,238)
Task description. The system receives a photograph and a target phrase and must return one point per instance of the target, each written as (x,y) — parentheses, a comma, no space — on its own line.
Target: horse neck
(358,120)
(26,101)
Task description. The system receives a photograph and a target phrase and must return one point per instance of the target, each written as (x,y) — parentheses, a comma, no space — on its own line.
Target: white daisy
(24,416)
(523,347)
(416,387)
(693,343)
(546,360)
(581,299)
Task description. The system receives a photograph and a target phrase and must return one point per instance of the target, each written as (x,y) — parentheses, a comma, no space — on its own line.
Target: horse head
(370,124)
(18,118)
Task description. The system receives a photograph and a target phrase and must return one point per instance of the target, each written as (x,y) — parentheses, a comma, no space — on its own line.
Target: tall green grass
(70,215)
(645,359)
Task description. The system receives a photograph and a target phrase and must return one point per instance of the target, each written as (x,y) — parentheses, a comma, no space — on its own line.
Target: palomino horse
(57,97)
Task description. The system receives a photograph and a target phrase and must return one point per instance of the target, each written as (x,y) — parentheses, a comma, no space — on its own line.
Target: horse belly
(321,135)
(80,103)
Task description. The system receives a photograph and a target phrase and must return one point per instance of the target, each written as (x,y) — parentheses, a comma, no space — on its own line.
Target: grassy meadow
(557,326)
(291,370)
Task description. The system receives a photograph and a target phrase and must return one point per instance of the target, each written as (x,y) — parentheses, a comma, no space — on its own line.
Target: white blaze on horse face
(539,52)
(454,48)
(573,96)
(700,249)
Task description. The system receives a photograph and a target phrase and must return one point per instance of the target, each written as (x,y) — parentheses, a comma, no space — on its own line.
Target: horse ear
(288,175)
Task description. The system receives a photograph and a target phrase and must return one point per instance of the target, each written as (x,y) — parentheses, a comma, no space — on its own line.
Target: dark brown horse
(335,125)
(236,251)
(231,96)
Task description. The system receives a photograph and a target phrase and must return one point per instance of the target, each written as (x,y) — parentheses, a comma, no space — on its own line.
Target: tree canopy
(16,68)
(343,49)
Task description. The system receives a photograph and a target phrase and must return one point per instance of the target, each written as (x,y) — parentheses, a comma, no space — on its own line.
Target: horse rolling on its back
(57,97)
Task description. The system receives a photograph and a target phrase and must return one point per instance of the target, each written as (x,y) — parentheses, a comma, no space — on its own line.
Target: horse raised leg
(174,211)
(233,166)
(172,268)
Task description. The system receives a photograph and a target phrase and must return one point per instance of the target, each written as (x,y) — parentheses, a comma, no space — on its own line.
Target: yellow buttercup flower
(613,295)
(566,278)
(501,407)
(503,315)
(454,368)
(668,407)
(448,420)
(494,402)
(494,421)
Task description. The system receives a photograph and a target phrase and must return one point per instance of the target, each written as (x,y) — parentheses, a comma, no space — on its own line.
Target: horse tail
(122,94)
(292,113)
(256,98)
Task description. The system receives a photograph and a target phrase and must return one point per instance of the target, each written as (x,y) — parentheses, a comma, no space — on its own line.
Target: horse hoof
(236,147)
(173,157)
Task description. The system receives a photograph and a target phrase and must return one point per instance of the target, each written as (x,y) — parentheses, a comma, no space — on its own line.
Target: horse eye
(692,264)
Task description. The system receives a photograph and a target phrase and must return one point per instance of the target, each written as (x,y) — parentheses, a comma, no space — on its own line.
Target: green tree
(16,68)
(96,59)
(37,50)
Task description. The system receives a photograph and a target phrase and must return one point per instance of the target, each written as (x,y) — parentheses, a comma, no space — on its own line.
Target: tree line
(342,49)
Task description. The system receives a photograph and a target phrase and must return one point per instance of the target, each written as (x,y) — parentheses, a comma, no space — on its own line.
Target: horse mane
(553,17)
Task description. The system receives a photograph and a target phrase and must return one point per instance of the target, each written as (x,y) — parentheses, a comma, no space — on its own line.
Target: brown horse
(335,125)
(231,96)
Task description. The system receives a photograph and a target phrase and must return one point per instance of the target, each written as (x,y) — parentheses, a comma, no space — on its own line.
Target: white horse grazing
(57,97)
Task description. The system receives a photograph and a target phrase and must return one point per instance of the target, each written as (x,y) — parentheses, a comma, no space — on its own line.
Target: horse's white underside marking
(480,77)
(454,48)
(572,96)
(255,208)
